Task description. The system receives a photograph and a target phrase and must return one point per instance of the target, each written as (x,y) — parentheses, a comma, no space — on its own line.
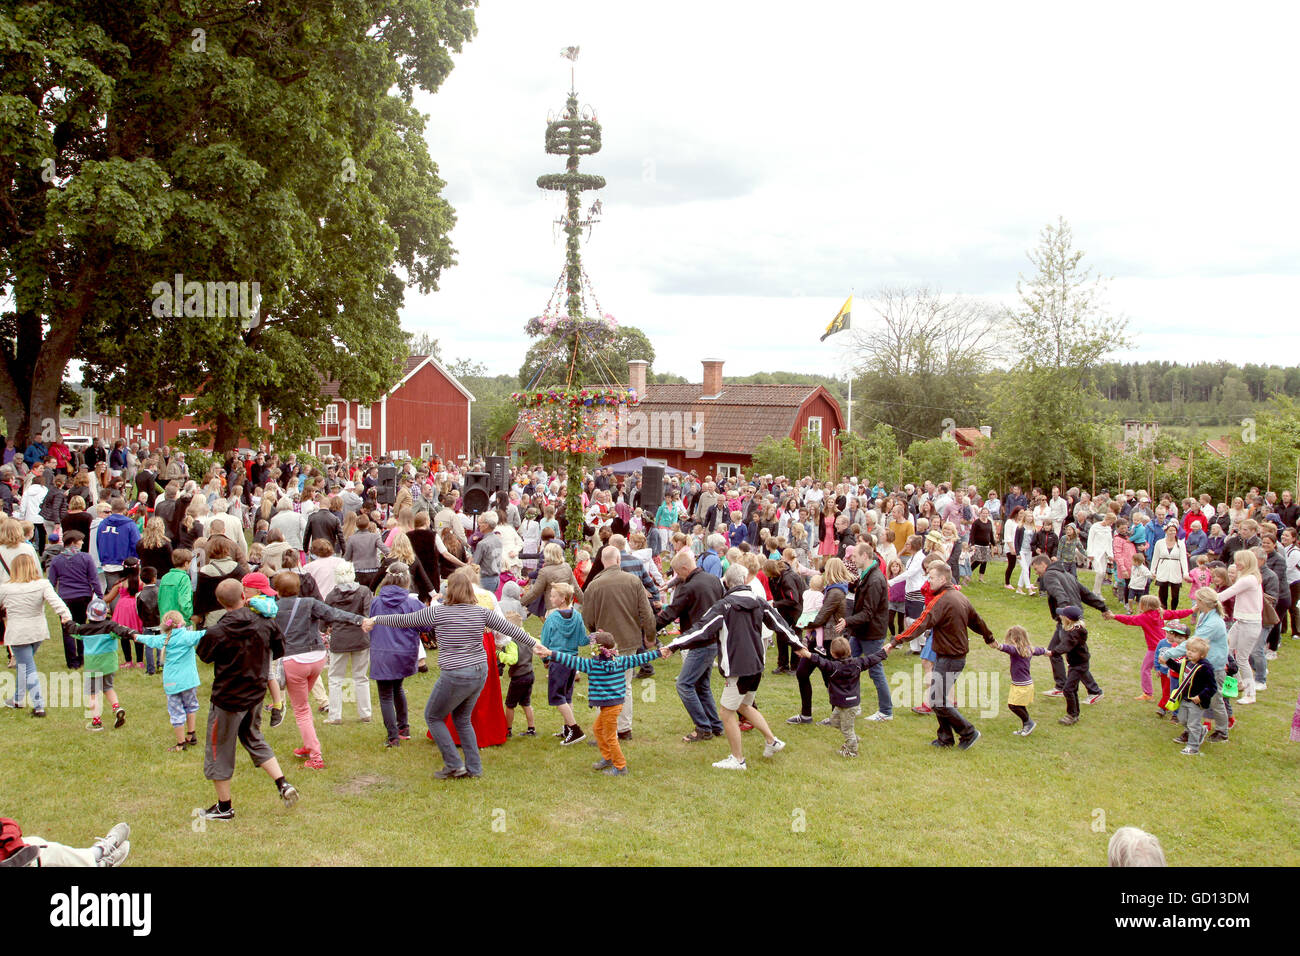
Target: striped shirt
(459,628)
(608,686)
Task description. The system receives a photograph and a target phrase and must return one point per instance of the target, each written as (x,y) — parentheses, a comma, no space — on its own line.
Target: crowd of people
(297,581)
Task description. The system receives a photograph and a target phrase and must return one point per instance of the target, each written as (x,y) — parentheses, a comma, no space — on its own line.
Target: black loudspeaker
(499,469)
(652,489)
(386,489)
(476,494)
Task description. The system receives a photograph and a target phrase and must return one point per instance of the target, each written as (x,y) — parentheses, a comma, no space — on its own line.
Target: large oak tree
(223,141)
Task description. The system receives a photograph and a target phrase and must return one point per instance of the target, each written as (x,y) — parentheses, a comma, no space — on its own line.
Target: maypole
(566,416)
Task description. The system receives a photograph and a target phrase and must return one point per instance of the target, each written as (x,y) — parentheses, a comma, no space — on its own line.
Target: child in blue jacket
(180,676)
(606,690)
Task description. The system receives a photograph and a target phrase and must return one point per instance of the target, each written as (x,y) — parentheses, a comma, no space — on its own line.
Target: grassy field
(1050,799)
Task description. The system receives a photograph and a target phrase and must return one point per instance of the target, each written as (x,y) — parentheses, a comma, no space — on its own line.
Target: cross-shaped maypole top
(570,53)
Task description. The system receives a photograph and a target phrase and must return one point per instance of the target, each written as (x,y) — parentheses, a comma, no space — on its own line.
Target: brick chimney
(712,378)
(636,375)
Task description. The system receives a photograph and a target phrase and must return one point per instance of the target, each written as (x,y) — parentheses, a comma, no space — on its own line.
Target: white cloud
(763,160)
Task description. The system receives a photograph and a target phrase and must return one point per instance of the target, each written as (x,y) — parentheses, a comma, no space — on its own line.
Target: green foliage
(777,456)
(871,458)
(280,146)
(935,459)
(593,367)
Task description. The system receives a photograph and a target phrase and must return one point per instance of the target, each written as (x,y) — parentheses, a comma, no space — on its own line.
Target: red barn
(426,413)
(712,427)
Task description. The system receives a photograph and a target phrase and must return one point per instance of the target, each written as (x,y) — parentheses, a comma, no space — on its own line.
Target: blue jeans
(489,582)
(884,700)
(456,693)
(28,681)
(695,691)
(1258,662)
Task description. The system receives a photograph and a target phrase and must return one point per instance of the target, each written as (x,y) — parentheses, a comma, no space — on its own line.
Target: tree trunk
(223,437)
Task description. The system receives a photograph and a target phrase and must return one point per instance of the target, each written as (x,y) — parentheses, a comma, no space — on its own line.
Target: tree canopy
(269,144)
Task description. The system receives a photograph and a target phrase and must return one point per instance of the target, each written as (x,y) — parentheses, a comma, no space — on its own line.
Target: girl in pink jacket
(1152,621)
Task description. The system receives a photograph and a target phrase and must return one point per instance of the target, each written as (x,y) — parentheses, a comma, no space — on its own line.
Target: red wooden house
(712,427)
(426,413)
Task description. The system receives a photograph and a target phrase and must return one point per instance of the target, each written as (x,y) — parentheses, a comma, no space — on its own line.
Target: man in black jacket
(694,592)
(868,626)
(1063,589)
(735,623)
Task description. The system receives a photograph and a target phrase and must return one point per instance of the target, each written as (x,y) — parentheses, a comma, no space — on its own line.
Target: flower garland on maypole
(568,416)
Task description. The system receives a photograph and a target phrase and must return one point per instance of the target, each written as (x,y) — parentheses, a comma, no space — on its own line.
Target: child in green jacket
(175,590)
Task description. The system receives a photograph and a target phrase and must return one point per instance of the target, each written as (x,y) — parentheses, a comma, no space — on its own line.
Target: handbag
(1270,618)
(1230,686)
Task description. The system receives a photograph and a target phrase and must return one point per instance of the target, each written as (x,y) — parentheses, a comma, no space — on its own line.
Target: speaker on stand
(499,468)
(477,492)
(652,490)
(386,489)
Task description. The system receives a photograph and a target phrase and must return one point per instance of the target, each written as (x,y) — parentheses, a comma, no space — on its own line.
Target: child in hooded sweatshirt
(843,673)
(99,637)
(509,603)
(1152,621)
(1175,634)
(180,676)
(519,660)
(240,647)
(606,690)
(564,630)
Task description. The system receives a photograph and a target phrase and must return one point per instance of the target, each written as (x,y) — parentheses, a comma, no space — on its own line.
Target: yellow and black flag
(841,320)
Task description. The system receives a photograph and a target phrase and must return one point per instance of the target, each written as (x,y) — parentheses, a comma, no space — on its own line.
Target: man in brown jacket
(950,615)
(617,602)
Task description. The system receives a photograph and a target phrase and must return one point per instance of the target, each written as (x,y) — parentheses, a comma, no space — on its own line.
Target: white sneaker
(879,716)
(1259,687)
(731,763)
(1245,700)
(120,833)
(1270,655)
(116,855)
(775,747)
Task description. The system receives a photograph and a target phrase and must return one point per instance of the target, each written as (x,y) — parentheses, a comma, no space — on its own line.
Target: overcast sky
(765,159)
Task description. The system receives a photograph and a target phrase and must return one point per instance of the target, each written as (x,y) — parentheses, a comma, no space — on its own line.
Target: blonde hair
(172,620)
(11,533)
(24,569)
(817,583)
(155,534)
(401,548)
(1208,598)
(1198,644)
(1018,638)
(1148,602)
(1246,563)
(563,593)
(835,572)
(552,554)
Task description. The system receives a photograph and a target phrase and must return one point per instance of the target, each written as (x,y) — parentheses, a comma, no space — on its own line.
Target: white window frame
(364,419)
(426,451)
(363,449)
(818,420)
(331,414)
(729,471)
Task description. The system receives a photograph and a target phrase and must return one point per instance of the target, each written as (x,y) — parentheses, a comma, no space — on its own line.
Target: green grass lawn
(1050,799)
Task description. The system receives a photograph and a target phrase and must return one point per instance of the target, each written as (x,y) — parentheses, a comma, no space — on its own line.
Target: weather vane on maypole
(569,416)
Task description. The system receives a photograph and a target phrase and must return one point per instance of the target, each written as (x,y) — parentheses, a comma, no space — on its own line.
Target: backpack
(11,838)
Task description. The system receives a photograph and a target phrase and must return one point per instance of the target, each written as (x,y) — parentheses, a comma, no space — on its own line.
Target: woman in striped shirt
(458,627)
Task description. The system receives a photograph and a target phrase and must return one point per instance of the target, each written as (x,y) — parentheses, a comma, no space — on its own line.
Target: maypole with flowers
(561,412)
